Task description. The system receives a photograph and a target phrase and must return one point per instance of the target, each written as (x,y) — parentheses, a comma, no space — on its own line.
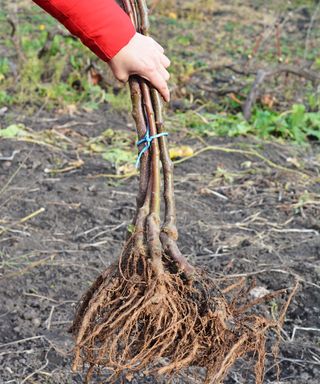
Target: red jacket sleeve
(102,25)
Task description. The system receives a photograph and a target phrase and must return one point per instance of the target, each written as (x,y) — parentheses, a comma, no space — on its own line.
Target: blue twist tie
(147,140)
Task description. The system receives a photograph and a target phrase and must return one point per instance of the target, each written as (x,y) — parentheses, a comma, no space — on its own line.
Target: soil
(237,215)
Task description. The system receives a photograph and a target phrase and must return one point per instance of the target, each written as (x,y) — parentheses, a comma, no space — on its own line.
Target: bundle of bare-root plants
(152,311)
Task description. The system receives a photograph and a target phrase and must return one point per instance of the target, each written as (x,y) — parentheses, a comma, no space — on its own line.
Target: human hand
(143,56)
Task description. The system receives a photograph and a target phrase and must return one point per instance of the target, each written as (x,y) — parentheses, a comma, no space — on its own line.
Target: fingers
(122,77)
(162,63)
(158,76)
(157,79)
(165,61)
(145,57)
(158,47)
(163,58)
(164,73)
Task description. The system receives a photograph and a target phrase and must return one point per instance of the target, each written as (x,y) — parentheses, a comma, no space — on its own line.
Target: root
(133,318)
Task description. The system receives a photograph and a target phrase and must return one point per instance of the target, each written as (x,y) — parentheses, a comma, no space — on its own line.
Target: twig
(265,36)
(244,152)
(37,370)
(40,297)
(32,265)
(14,174)
(13,26)
(307,329)
(263,74)
(14,23)
(21,221)
(313,18)
(49,319)
(25,351)
(9,158)
(32,215)
(253,95)
(22,341)
(295,230)
(265,270)
(278,42)
(73,165)
(299,361)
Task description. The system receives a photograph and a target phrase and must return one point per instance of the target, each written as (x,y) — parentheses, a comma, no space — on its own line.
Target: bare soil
(237,215)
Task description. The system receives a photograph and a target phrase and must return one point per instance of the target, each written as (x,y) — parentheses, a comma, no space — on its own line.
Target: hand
(143,56)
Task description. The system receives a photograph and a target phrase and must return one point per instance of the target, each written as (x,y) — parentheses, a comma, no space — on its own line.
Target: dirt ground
(246,208)
(238,214)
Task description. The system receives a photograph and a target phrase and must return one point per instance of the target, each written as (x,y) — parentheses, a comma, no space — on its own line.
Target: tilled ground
(245,208)
(238,213)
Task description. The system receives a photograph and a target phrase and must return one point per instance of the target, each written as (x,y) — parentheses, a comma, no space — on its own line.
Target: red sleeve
(102,25)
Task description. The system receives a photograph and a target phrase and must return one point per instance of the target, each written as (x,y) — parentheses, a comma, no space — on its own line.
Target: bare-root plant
(152,311)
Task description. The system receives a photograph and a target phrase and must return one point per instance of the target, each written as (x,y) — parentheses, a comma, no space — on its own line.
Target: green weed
(5,98)
(13,130)
(296,125)
(59,77)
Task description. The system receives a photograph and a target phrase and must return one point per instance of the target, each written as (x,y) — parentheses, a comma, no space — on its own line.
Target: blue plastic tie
(147,139)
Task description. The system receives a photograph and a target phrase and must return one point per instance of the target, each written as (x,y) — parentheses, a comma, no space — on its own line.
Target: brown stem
(139,118)
(136,21)
(153,110)
(129,10)
(153,220)
(144,194)
(139,7)
(141,220)
(169,233)
(170,209)
(143,13)
(155,155)
(149,189)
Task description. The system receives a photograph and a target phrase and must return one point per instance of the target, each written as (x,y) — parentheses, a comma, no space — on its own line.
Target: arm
(107,30)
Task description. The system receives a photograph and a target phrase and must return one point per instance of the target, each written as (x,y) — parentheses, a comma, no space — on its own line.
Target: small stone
(3,110)
(36,322)
(92,188)
(7,164)
(258,292)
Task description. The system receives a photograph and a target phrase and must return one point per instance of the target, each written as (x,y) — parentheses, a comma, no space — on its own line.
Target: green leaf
(13,130)
(97,147)
(118,156)
(314,119)
(298,115)
(131,228)
(315,133)
(4,66)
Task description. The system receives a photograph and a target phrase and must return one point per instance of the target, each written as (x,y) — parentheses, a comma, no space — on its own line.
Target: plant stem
(155,155)
(136,21)
(144,194)
(153,220)
(148,201)
(141,220)
(169,232)
(139,118)
(170,210)
(144,20)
